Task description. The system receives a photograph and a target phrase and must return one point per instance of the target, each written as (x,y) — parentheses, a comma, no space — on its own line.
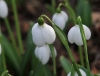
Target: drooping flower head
(3,9)
(42,33)
(81,71)
(43,53)
(74,35)
(60,19)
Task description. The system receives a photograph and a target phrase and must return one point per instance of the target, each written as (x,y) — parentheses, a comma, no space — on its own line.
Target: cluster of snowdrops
(44,35)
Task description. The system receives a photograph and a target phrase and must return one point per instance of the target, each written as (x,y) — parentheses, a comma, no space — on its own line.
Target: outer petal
(3,9)
(37,36)
(87,32)
(48,33)
(59,20)
(64,14)
(70,34)
(77,36)
(82,72)
(0,49)
(43,53)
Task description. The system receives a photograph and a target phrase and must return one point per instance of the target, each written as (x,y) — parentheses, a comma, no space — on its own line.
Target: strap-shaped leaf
(65,64)
(10,55)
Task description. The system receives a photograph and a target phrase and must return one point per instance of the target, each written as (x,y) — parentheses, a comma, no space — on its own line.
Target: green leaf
(31,73)
(84,10)
(10,55)
(65,64)
(50,8)
(29,50)
(47,71)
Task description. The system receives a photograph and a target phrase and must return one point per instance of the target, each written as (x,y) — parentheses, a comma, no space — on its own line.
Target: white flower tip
(3,9)
(82,73)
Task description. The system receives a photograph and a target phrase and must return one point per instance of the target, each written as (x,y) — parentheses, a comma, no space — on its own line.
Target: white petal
(3,9)
(87,32)
(37,36)
(82,72)
(43,53)
(48,33)
(70,35)
(36,51)
(59,20)
(54,52)
(0,49)
(64,14)
(77,36)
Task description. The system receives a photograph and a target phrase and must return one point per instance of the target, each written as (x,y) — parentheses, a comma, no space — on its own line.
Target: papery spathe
(43,53)
(74,35)
(3,9)
(60,19)
(43,34)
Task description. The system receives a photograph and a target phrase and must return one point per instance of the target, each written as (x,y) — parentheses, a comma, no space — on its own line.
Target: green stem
(68,49)
(17,26)
(54,60)
(53,4)
(4,61)
(71,12)
(81,55)
(85,44)
(11,34)
(2,54)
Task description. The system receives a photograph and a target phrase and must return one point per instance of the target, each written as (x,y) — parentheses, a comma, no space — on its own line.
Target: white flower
(74,35)
(82,73)
(42,34)
(43,53)
(60,19)
(0,49)
(3,9)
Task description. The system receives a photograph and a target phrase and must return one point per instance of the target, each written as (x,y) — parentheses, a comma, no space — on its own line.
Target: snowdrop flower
(0,49)
(43,53)
(42,34)
(3,9)
(60,19)
(74,35)
(82,73)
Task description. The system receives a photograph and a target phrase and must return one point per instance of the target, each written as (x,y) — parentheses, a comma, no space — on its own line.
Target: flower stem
(68,49)
(17,26)
(11,34)
(3,61)
(53,4)
(54,60)
(85,44)
(81,55)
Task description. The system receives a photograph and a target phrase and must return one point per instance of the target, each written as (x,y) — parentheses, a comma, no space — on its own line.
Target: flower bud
(3,9)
